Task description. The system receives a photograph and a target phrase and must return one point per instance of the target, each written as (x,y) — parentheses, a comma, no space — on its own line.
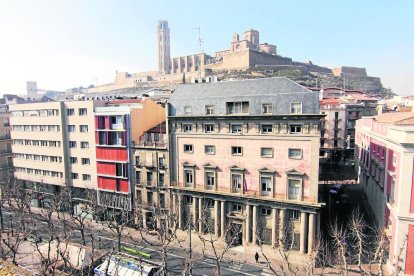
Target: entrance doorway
(235,234)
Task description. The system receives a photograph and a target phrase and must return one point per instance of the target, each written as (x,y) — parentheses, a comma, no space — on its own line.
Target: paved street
(176,256)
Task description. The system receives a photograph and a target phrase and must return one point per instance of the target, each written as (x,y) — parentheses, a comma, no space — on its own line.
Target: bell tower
(163,39)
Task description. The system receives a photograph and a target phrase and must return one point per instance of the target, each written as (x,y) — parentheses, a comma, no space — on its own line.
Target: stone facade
(242,161)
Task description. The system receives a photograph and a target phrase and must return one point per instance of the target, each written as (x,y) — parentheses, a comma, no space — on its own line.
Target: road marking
(170,254)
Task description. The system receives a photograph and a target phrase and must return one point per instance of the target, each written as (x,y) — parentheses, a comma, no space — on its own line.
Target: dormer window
(267,108)
(295,108)
(237,108)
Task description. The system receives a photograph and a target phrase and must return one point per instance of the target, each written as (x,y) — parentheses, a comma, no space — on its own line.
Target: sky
(64,44)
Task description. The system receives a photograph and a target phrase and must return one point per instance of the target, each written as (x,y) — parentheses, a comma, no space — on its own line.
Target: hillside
(312,79)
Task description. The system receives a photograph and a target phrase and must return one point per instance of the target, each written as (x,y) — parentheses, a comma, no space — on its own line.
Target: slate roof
(250,87)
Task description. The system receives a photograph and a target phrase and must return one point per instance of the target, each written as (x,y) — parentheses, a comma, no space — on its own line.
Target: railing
(152,144)
(119,126)
(149,183)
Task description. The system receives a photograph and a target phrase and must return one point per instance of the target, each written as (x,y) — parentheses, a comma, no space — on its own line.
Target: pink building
(245,154)
(385,153)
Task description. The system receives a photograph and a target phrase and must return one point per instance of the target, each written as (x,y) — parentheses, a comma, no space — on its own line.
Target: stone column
(180,212)
(311,236)
(254,232)
(194,211)
(223,218)
(247,223)
(144,218)
(274,220)
(281,226)
(303,232)
(216,218)
(200,216)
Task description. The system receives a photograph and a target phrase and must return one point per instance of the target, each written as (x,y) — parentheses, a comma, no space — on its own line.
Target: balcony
(118,126)
(5,137)
(138,182)
(153,144)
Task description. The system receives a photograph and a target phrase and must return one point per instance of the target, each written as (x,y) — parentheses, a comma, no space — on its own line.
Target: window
(208,149)
(54,159)
(210,180)
(187,110)
(45,158)
(70,112)
(149,178)
(83,128)
(294,189)
(209,109)
(86,177)
(237,207)
(293,214)
(267,108)
(295,153)
(137,177)
(236,183)
(266,185)
(71,128)
(74,176)
(84,145)
(237,108)
(188,177)
(295,129)
(296,108)
(266,128)
(161,178)
(86,161)
(236,151)
(266,152)
(37,157)
(188,148)
(208,128)
(83,111)
(161,162)
(236,128)
(72,144)
(188,127)
(266,211)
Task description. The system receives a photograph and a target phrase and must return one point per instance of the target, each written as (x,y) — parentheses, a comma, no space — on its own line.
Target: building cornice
(282,117)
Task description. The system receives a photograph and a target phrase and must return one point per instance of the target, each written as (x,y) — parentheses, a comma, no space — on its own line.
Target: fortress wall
(258,58)
(347,70)
(237,60)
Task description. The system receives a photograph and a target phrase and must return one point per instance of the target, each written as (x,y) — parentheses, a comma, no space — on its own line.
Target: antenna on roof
(200,45)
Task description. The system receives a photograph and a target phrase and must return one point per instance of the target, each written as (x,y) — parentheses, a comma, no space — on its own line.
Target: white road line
(170,254)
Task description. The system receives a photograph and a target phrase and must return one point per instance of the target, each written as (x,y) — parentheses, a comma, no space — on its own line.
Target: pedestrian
(256,256)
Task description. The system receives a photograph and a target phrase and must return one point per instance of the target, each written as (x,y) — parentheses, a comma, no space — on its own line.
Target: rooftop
(249,87)
(396,118)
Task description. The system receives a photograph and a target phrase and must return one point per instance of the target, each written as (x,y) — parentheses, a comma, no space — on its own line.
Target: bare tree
(212,243)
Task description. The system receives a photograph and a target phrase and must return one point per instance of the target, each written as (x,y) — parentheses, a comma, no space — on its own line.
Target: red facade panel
(107,183)
(409,261)
(124,187)
(106,168)
(107,122)
(115,154)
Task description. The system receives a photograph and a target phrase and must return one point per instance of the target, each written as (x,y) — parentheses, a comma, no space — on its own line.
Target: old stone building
(152,177)
(244,157)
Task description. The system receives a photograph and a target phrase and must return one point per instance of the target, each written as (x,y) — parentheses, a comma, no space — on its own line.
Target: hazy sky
(62,44)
